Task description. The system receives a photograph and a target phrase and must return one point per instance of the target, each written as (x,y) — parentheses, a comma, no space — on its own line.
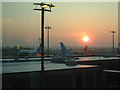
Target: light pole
(113,32)
(43,7)
(48,28)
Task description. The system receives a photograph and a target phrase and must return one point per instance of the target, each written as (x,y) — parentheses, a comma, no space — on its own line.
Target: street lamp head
(112,31)
(41,4)
(47,27)
(44,6)
(52,6)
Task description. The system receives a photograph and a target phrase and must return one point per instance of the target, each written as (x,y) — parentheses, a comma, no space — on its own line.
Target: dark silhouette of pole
(43,8)
(48,28)
(42,40)
(113,32)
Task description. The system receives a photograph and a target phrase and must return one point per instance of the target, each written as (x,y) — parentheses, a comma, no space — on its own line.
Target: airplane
(66,52)
(30,52)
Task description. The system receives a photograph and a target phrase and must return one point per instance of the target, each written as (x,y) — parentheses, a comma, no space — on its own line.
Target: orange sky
(69,21)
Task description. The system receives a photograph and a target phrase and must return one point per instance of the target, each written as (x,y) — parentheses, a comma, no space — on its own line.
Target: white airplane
(66,52)
(30,52)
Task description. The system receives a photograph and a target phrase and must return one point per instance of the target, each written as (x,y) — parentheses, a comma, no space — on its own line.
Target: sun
(85,39)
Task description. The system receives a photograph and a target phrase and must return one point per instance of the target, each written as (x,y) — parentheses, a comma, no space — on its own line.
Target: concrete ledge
(111,79)
(65,78)
(113,64)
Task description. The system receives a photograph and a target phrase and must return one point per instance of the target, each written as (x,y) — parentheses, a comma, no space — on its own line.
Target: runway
(15,67)
(34,64)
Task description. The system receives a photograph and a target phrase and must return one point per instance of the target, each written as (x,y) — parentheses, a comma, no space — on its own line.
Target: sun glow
(85,39)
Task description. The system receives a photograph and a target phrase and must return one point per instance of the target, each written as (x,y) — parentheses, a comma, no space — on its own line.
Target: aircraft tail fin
(85,48)
(38,50)
(64,49)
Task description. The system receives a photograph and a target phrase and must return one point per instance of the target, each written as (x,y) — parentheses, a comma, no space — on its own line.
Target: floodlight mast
(48,28)
(113,32)
(44,7)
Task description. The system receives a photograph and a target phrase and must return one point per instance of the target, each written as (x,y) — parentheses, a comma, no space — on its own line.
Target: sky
(69,21)
(119,24)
